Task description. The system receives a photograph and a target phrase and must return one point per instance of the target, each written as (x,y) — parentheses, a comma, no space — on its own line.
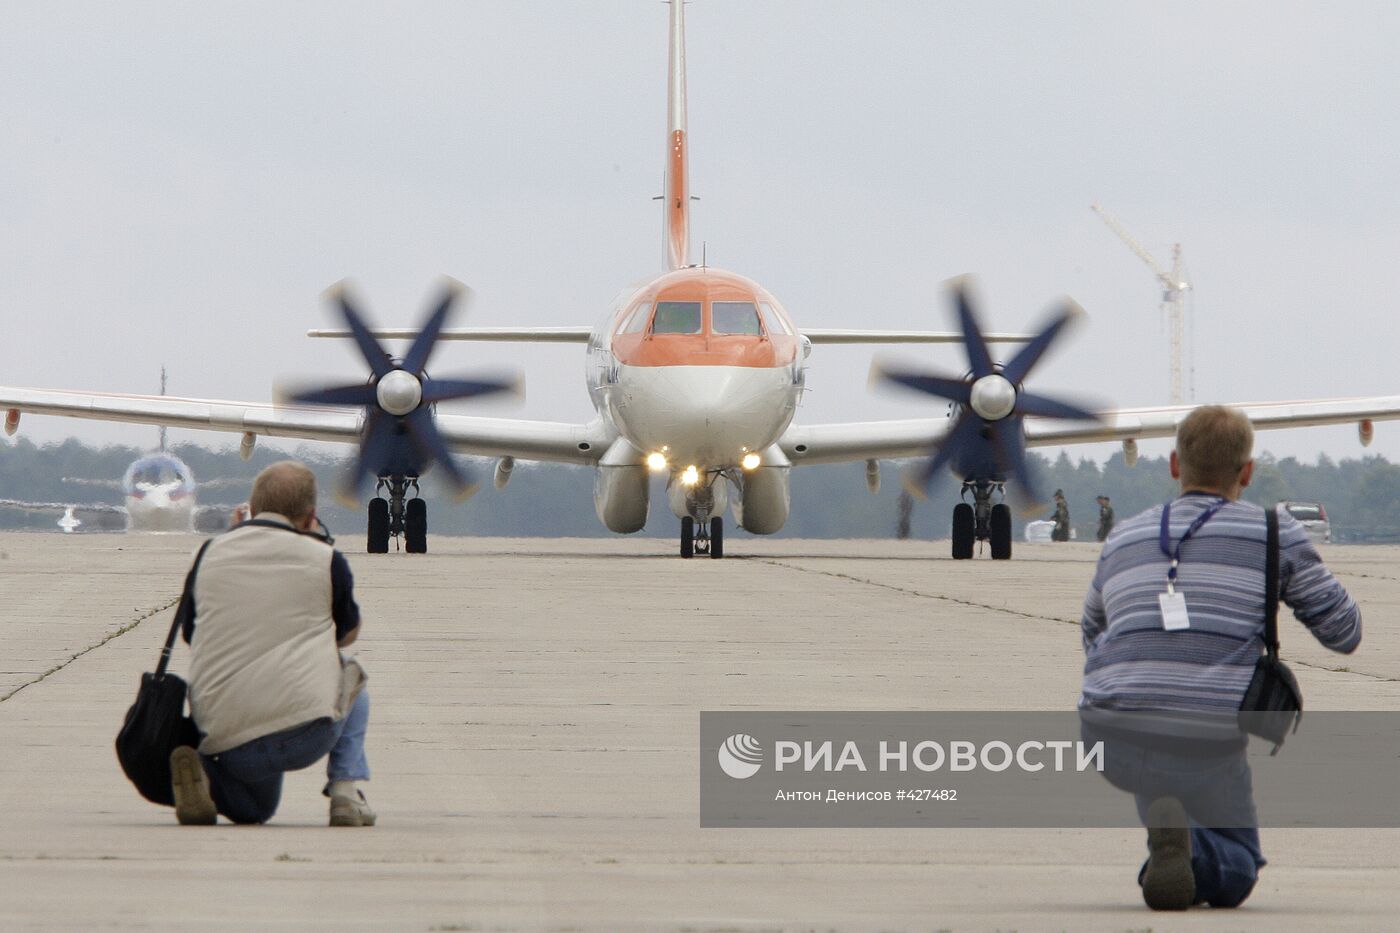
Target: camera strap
(1271,582)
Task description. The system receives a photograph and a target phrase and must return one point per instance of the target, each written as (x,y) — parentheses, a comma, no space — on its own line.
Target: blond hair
(1213,443)
(287,487)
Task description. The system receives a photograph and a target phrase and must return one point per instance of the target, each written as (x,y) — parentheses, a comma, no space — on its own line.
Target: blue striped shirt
(1133,663)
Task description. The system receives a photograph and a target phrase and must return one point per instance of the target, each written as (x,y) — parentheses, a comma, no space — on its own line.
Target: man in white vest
(265,612)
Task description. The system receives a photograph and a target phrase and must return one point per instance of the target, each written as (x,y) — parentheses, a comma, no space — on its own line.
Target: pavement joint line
(93,647)
(919,593)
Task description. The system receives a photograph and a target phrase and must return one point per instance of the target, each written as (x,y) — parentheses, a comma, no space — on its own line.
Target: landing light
(751,461)
(690,476)
(656,462)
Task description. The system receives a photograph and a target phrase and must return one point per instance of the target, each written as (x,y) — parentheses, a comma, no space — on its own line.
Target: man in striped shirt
(1167,665)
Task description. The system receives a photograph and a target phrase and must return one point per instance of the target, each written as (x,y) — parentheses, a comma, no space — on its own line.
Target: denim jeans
(246,781)
(1218,795)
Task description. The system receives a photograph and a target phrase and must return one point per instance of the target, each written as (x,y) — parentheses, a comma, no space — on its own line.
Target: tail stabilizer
(675,232)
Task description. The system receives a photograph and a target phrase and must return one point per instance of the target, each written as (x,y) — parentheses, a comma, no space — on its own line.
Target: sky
(183,181)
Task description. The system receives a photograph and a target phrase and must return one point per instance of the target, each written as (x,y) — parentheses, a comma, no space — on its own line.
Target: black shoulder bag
(156,723)
(1273,701)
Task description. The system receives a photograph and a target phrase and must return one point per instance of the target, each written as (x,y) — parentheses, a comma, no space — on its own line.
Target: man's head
(1102,500)
(288,488)
(1213,452)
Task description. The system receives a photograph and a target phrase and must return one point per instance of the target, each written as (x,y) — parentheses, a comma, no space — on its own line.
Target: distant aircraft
(696,375)
(159,494)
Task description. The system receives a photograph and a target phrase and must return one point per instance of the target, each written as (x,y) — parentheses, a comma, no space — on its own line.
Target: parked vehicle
(1313,517)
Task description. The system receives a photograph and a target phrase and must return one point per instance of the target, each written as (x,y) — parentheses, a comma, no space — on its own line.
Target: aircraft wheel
(964,531)
(415,526)
(1001,531)
(377,539)
(687,537)
(716,537)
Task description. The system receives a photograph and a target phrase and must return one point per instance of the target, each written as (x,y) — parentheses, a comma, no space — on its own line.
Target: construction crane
(1174,288)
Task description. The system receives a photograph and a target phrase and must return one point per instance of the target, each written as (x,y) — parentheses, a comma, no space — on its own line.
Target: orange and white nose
(706,416)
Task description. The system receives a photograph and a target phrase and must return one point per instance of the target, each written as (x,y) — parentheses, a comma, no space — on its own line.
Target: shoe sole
(1169,883)
(193,804)
(348,812)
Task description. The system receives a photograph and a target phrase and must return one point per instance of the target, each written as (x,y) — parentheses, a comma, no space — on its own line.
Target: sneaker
(1168,883)
(351,811)
(193,804)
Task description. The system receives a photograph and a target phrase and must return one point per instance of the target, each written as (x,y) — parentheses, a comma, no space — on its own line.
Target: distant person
(1061,518)
(1164,685)
(1105,517)
(265,614)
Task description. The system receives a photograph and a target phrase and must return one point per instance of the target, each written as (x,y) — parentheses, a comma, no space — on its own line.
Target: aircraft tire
(964,531)
(1001,531)
(377,538)
(415,526)
(687,537)
(716,537)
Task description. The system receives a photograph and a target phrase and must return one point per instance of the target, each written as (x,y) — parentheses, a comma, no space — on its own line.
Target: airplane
(158,490)
(696,375)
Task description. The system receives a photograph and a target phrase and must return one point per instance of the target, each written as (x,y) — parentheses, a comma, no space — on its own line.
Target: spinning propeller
(400,436)
(991,403)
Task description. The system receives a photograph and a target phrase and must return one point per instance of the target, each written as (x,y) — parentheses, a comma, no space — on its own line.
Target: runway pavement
(534,740)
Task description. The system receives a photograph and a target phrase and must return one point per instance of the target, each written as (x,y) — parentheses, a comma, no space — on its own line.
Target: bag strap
(1271,582)
(322,536)
(179,614)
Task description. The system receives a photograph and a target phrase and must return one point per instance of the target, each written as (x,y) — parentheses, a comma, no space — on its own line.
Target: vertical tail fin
(675,233)
(162,392)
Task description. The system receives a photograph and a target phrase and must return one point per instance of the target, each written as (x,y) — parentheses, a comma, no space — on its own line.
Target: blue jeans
(1218,795)
(246,781)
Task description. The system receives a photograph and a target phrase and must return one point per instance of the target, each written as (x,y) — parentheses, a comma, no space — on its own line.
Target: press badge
(1174,611)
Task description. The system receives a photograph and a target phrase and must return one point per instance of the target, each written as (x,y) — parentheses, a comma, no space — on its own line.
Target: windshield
(676,317)
(1306,513)
(734,317)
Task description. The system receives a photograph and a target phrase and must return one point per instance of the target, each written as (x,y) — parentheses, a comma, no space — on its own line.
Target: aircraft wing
(490,437)
(583,334)
(890,440)
(838,335)
(25,506)
(500,334)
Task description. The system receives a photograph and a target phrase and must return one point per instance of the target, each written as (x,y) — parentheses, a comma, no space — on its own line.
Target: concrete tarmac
(534,732)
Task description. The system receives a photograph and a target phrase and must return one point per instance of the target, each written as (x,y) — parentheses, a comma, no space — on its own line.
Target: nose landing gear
(397,515)
(709,539)
(982,521)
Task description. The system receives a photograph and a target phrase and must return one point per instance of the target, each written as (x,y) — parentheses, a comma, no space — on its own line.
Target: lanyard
(1165,540)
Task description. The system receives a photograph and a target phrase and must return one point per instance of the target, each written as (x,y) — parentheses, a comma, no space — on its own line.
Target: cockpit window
(676,317)
(774,321)
(636,321)
(734,317)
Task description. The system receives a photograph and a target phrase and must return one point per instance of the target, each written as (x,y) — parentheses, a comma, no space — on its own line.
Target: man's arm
(345,612)
(1316,597)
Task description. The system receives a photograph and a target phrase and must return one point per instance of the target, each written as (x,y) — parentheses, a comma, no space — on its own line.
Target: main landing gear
(982,520)
(708,540)
(395,516)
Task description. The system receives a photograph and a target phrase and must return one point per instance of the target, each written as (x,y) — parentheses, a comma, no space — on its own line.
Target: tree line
(1362,496)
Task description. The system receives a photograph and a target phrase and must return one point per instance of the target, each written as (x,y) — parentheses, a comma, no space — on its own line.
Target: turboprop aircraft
(696,374)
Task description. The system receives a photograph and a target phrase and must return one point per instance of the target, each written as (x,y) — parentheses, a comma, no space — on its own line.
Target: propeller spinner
(400,436)
(991,402)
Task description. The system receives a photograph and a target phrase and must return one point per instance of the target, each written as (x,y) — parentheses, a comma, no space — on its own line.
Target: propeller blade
(417,356)
(918,479)
(425,434)
(944,387)
(1022,363)
(357,394)
(378,360)
(1024,490)
(978,356)
(442,390)
(375,448)
(1028,403)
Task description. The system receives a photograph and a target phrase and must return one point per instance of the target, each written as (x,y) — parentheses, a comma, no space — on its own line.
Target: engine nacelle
(1130,452)
(503,468)
(763,508)
(247,444)
(1366,430)
(12,421)
(622,489)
